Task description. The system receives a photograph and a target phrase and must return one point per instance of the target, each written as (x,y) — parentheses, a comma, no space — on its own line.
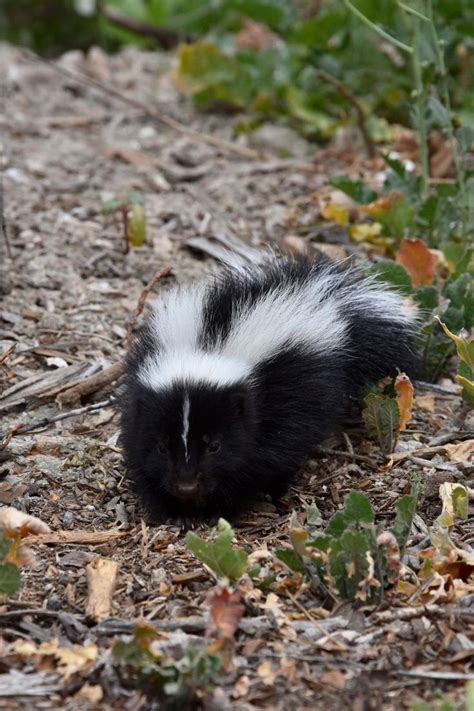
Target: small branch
(18,429)
(166,38)
(346,455)
(360,114)
(159,274)
(96,382)
(153,114)
(398,43)
(3,224)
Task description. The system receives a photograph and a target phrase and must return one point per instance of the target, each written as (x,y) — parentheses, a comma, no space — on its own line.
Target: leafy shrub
(353,559)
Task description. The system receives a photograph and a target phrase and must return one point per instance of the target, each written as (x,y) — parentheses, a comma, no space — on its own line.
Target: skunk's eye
(213,447)
(162,448)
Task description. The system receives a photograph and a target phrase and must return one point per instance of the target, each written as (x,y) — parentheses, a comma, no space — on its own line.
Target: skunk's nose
(186,490)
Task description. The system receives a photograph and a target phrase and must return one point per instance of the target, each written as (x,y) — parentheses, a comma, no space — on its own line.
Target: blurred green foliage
(281,78)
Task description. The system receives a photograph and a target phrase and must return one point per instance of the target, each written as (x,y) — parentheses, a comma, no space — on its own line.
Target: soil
(69,295)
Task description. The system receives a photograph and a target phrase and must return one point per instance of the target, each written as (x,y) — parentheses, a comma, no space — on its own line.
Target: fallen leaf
(266,673)
(11,518)
(92,693)
(455,499)
(69,659)
(335,213)
(226,611)
(418,260)
(366,232)
(335,678)
(461,452)
(404,398)
(101,579)
(427,403)
(241,687)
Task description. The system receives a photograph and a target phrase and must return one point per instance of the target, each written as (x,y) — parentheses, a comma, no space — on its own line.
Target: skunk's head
(186,442)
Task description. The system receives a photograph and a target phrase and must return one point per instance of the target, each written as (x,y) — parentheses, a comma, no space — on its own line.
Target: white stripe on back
(311,315)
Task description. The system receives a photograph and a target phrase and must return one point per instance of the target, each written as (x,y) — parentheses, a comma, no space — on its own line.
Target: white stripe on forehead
(185,433)
(161,371)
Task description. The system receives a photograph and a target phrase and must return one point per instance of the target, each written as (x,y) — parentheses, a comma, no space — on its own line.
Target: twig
(18,429)
(347,455)
(91,385)
(159,274)
(447,676)
(422,385)
(405,614)
(3,224)
(166,38)
(360,114)
(7,353)
(154,114)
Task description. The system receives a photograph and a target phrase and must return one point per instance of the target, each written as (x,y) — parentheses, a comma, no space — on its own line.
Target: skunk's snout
(187,489)
(187,484)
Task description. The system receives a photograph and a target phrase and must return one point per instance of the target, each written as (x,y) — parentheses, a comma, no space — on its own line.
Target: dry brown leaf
(226,611)
(266,673)
(427,403)
(69,659)
(335,678)
(101,579)
(11,518)
(404,390)
(91,693)
(418,260)
(461,452)
(241,687)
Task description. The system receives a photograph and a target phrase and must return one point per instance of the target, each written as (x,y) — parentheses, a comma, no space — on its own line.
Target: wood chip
(101,579)
(89,538)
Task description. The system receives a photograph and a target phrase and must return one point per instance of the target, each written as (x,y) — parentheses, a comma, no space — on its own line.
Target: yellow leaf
(335,213)
(367,232)
(464,347)
(455,498)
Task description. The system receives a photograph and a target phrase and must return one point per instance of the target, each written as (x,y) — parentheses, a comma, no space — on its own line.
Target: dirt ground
(66,149)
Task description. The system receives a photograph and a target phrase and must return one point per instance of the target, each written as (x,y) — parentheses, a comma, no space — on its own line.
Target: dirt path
(67,150)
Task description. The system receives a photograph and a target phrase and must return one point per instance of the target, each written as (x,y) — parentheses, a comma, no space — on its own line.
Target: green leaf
(381,417)
(406,509)
(10,579)
(393,274)
(356,189)
(427,297)
(217,552)
(290,559)
(357,509)
(313,516)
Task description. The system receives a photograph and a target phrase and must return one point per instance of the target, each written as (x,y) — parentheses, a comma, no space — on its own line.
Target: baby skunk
(233,381)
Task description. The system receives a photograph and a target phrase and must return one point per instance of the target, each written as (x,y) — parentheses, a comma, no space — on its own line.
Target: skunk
(233,381)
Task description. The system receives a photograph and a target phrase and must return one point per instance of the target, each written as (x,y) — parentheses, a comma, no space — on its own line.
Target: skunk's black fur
(231,383)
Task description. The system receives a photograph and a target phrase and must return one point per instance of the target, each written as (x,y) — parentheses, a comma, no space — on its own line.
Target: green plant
(10,579)
(176,683)
(353,559)
(218,553)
